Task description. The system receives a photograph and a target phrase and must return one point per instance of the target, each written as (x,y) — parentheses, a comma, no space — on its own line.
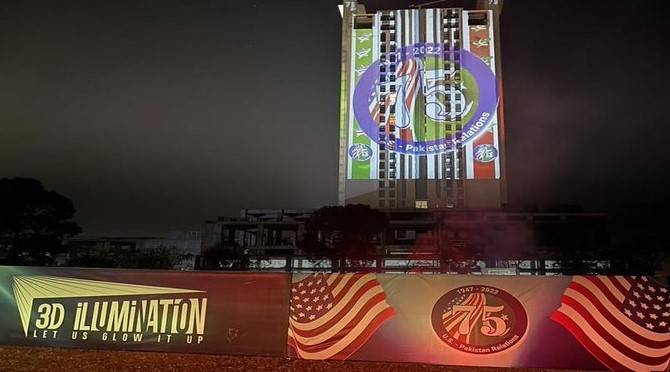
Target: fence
(580,322)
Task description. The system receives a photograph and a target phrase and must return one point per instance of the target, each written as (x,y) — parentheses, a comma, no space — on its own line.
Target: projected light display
(421,72)
(429,92)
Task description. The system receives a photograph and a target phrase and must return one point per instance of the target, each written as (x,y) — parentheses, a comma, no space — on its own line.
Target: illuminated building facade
(421,115)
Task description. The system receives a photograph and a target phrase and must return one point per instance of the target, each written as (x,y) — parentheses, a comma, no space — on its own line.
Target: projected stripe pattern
(333,315)
(28,288)
(622,321)
(465,321)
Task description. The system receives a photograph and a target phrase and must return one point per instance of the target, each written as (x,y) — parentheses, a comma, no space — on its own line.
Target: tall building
(421,121)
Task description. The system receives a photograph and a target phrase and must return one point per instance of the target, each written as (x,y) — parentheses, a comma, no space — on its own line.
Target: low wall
(504,321)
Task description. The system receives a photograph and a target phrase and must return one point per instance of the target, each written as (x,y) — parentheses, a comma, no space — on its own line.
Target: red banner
(201,312)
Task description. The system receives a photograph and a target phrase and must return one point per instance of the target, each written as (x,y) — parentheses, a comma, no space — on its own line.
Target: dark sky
(156,115)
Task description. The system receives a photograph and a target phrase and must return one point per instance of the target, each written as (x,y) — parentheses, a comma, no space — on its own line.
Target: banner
(513,321)
(579,322)
(203,312)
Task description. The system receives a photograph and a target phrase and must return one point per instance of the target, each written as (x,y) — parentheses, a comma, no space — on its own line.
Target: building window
(421,204)
(405,234)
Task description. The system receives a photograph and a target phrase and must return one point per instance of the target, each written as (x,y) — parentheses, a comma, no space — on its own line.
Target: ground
(55,360)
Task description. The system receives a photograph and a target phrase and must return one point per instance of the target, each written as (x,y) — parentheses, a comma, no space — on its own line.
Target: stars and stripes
(623,321)
(465,321)
(333,315)
(411,69)
(408,75)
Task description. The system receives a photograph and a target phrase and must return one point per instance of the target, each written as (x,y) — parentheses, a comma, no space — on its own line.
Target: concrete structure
(484,241)
(258,231)
(422,140)
(421,121)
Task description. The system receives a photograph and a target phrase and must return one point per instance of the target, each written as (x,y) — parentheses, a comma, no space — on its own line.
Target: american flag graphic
(408,75)
(623,321)
(409,68)
(333,315)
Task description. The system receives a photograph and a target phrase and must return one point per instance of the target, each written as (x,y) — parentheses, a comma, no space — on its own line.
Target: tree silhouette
(163,257)
(343,233)
(33,222)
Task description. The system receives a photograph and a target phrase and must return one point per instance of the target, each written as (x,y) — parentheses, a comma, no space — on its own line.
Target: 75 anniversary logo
(479,319)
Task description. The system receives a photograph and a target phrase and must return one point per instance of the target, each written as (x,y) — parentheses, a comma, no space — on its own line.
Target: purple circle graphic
(366,90)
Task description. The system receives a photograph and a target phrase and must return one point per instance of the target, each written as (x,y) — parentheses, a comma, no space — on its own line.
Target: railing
(406,263)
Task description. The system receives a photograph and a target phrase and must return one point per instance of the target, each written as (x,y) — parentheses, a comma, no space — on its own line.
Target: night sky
(156,115)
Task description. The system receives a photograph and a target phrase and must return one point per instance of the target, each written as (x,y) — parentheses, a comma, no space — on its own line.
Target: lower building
(425,240)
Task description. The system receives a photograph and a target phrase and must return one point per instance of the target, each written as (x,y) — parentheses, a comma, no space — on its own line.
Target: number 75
(492,325)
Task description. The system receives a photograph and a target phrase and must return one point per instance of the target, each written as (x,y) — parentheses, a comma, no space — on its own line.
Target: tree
(343,233)
(157,258)
(217,258)
(34,222)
